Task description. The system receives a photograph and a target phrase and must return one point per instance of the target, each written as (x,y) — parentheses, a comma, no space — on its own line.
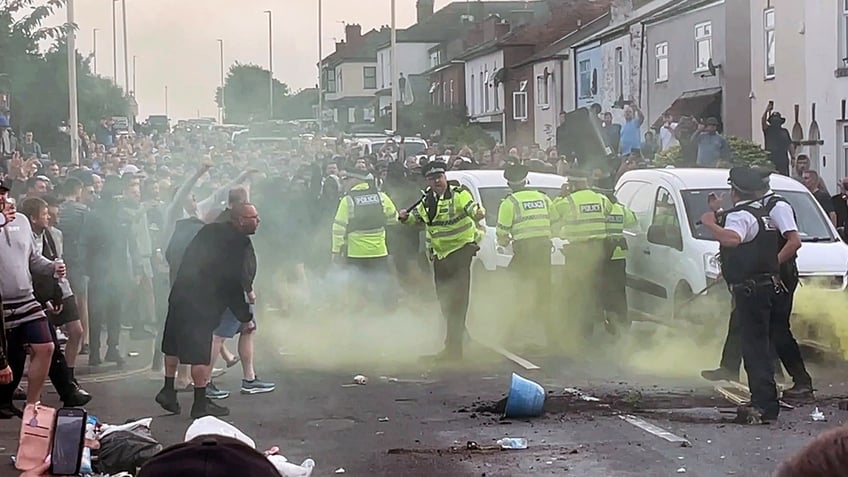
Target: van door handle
(646,251)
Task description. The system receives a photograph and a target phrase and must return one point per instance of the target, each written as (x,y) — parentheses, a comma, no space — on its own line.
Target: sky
(175,42)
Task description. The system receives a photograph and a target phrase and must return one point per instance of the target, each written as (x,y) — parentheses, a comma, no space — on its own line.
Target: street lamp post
(114,43)
(94,50)
(394,69)
(320,71)
(126,57)
(73,118)
(166,101)
(223,100)
(270,64)
(134,91)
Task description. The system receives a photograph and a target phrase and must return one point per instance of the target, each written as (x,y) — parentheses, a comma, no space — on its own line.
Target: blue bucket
(526,398)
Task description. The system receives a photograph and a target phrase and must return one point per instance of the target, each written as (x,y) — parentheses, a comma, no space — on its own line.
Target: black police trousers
(783,342)
(452,276)
(530,271)
(754,303)
(583,283)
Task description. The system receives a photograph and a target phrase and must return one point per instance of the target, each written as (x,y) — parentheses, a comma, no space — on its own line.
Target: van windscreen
(812,225)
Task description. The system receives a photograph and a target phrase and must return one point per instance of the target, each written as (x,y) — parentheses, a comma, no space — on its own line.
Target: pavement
(604,417)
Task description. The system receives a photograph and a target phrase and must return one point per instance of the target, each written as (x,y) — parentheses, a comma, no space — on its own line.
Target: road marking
(655,430)
(512,357)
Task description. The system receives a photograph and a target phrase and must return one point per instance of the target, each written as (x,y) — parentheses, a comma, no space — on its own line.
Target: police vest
(451,226)
(754,259)
(619,219)
(788,269)
(530,215)
(583,216)
(365,211)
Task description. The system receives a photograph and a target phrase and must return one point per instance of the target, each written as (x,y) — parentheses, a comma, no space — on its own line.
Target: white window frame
(769,35)
(843,60)
(843,130)
(619,72)
(351,115)
(519,106)
(661,54)
(543,90)
(472,87)
(485,91)
(585,92)
(451,93)
(365,77)
(703,36)
(496,103)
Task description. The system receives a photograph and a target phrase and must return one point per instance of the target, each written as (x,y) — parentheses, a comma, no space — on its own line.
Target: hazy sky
(175,42)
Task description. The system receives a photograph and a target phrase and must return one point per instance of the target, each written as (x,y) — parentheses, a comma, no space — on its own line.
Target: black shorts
(69,313)
(189,343)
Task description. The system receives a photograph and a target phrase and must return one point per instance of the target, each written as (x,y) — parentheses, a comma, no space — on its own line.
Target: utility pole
(126,57)
(320,70)
(73,119)
(134,91)
(270,65)
(394,69)
(166,100)
(94,52)
(223,101)
(114,43)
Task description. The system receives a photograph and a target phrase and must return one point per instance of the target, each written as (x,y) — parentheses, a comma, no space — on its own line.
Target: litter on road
(513,443)
(817,415)
(360,380)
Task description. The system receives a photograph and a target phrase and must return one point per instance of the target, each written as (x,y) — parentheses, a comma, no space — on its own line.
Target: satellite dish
(712,67)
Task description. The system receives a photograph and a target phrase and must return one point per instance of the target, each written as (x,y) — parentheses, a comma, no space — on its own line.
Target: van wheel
(681,295)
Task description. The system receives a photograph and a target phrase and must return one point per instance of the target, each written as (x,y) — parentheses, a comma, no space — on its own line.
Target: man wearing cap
(359,232)
(583,223)
(450,216)
(783,342)
(524,218)
(749,241)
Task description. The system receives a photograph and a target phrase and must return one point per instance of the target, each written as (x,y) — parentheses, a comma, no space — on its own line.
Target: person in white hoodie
(24,319)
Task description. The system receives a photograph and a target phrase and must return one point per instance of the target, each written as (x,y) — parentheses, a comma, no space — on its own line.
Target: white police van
(672,257)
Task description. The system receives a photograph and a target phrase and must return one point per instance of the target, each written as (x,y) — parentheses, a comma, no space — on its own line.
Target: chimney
(493,27)
(519,18)
(353,34)
(425,9)
(620,10)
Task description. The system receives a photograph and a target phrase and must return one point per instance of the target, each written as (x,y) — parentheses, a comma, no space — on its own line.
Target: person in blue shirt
(631,137)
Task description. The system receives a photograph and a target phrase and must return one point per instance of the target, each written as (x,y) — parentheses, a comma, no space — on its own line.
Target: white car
(489,188)
(412,145)
(665,269)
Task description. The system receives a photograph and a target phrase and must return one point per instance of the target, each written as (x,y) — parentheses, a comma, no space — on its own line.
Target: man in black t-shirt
(778,142)
(811,180)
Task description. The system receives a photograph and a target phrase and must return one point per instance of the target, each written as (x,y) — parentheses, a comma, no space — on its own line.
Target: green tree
(37,81)
(246,94)
(300,105)
(745,153)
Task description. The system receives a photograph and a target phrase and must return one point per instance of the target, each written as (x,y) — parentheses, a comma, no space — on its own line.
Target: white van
(489,188)
(414,146)
(671,256)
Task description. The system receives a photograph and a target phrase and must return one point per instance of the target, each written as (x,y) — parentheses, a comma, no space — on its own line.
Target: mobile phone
(771,104)
(68,440)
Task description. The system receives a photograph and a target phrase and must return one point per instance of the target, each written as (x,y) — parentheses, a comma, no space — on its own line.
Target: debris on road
(513,443)
(526,398)
(383,419)
(681,470)
(581,395)
(360,380)
(817,415)
(340,470)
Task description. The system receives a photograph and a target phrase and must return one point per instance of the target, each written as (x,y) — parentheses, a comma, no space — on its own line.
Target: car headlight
(712,267)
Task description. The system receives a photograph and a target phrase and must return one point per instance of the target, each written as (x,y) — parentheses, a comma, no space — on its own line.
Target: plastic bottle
(513,443)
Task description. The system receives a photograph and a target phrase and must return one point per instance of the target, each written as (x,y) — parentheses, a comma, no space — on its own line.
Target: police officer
(615,270)
(450,216)
(360,229)
(583,222)
(748,243)
(782,216)
(524,218)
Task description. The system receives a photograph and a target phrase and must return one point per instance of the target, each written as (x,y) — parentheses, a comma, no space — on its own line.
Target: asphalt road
(432,413)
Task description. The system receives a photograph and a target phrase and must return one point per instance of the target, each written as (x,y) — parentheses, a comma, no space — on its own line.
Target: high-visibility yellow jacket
(361,221)
(525,214)
(455,222)
(583,215)
(621,218)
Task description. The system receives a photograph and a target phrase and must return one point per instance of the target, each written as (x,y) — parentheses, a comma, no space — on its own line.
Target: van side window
(641,202)
(665,215)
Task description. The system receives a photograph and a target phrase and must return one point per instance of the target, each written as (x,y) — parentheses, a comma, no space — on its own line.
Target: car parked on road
(671,256)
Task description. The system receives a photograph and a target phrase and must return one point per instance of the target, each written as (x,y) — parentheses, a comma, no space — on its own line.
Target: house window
(768,28)
(484,91)
(351,115)
(496,95)
(472,87)
(662,61)
(543,89)
(519,105)
(585,70)
(452,100)
(331,81)
(444,93)
(341,85)
(619,72)
(703,45)
(844,28)
(435,59)
(369,77)
(844,128)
